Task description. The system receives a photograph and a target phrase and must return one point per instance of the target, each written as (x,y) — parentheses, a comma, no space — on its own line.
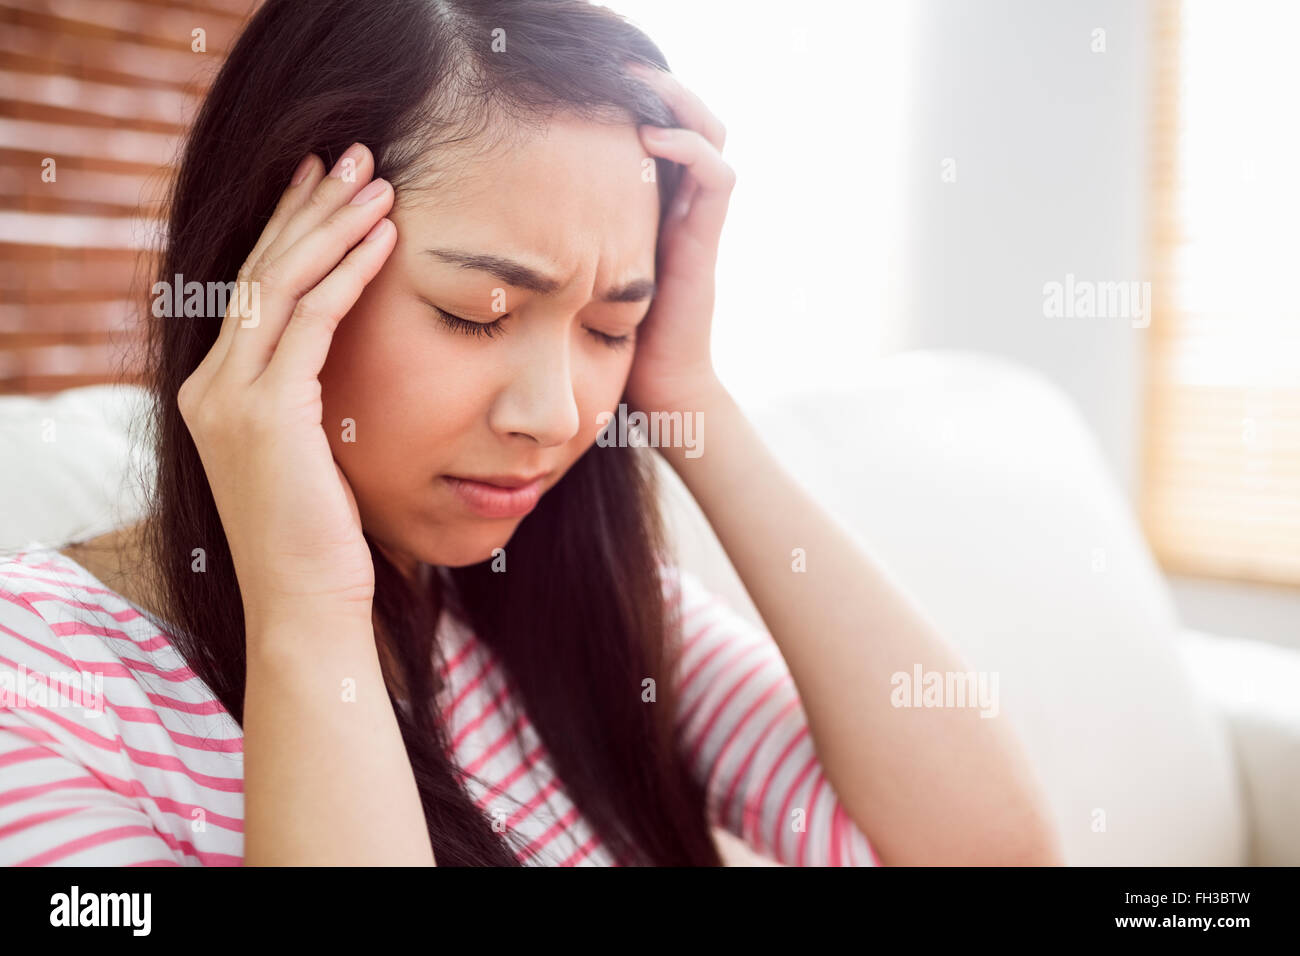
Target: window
(1221,469)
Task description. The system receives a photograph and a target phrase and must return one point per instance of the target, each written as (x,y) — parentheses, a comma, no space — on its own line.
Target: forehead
(572,195)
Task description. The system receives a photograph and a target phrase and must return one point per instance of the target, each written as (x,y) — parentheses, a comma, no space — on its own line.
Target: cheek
(599,388)
(409,398)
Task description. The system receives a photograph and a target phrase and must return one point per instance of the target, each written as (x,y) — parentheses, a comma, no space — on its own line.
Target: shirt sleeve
(746,738)
(58,806)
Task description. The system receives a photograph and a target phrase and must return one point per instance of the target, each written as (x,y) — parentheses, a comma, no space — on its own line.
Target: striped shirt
(114,753)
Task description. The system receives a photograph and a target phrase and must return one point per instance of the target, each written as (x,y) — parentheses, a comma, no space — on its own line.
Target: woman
(494,230)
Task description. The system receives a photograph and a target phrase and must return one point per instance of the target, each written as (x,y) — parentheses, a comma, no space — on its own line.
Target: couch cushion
(72,467)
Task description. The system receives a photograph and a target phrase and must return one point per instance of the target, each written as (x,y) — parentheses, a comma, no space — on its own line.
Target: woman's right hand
(253,405)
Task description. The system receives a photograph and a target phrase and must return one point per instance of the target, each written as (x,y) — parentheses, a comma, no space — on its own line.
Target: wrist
(709,408)
(698,394)
(283,657)
(283,620)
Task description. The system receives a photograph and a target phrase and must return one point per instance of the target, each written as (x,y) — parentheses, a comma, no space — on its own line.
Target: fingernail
(300,173)
(372,191)
(347,164)
(377,230)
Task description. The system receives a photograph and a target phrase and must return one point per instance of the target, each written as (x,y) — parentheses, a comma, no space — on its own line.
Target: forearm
(926,785)
(327,780)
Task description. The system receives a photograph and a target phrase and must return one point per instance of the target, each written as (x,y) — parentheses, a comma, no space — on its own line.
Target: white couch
(979,486)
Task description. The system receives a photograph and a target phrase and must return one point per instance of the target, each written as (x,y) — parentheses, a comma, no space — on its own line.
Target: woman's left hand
(673,367)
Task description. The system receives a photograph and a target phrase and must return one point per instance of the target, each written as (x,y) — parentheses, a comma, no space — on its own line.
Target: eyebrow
(523,277)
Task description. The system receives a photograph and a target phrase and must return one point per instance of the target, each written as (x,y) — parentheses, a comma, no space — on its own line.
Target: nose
(537,400)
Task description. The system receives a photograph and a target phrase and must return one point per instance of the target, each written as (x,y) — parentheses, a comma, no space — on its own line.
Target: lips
(509,482)
(501,496)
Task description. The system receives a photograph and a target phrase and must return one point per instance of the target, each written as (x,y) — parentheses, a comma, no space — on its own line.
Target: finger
(304,182)
(348,177)
(681,203)
(714,179)
(283,281)
(306,178)
(301,352)
(689,109)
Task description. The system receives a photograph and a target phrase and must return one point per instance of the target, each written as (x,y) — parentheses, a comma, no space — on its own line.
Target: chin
(472,545)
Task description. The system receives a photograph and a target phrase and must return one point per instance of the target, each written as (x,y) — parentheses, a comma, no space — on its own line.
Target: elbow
(1045,851)
(1036,842)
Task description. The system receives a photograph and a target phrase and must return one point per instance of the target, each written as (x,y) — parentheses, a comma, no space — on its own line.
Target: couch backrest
(74,463)
(978,485)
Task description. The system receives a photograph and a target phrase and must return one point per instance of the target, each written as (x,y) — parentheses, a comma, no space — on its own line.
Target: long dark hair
(579,621)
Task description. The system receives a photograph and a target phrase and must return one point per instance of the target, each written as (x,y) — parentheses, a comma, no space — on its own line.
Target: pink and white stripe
(155,777)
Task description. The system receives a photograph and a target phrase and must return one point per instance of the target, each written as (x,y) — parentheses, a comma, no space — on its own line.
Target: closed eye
(493,329)
(466,327)
(613,341)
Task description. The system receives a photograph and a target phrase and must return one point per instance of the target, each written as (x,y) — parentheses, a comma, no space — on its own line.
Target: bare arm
(926,785)
(327,778)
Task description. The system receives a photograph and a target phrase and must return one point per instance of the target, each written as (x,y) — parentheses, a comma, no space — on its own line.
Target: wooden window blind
(1220,490)
(100,92)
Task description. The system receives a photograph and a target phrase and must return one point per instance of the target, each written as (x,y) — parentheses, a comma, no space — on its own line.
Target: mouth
(497,496)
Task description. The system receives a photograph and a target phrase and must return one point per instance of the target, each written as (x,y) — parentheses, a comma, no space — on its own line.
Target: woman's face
(573,206)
